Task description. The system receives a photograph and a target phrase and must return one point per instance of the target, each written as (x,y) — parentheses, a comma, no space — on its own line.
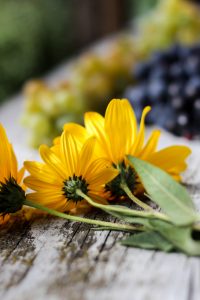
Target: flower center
(127,175)
(12,196)
(71,185)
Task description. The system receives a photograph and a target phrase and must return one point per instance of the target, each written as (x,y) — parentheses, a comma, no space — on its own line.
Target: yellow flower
(68,166)
(119,136)
(12,192)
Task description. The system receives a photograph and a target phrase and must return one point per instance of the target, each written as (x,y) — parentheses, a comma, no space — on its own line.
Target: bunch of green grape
(94,80)
(171,20)
(47,109)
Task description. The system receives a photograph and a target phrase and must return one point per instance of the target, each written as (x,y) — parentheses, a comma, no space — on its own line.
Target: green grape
(177,20)
(62,100)
(67,101)
(39,123)
(34,140)
(59,123)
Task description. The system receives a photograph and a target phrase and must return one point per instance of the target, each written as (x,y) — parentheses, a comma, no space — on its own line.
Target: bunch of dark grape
(170,83)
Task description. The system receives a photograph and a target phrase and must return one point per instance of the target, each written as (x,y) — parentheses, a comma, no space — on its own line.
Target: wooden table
(49,258)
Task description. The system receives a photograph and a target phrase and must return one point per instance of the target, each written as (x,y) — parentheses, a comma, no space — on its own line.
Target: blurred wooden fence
(94,19)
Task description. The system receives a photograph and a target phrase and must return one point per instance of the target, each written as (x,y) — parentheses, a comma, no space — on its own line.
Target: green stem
(125,211)
(107,225)
(143,205)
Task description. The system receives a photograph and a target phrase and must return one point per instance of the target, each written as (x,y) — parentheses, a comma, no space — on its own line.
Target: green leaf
(180,237)
(164,236)
(166,192)
(148,240)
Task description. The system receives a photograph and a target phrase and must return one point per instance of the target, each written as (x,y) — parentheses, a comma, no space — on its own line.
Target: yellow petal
(5,155)
(120,126)
(95,167)
(39,185)
(14,164)
(50,199)
(69,152)
(56,149)
(102,178)
(42,172)
(151,145)
(139,142)
(170,157)
(56,140)
(94,124)
(53,161)
(85,157)
(20,175)
(178,169)
(79,133)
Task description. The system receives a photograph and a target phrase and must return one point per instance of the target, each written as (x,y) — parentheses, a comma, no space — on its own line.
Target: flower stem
(143,205)
(123,210)
(107,225)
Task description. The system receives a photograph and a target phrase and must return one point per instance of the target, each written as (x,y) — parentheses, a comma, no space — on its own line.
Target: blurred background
(37,34)
(153,39)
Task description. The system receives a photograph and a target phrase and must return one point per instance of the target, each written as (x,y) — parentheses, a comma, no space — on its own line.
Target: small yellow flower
(68,166)
(12,192)
(118,135)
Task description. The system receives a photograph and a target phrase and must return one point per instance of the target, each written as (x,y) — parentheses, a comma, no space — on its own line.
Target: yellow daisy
(119,136)
(12,193)
(69,168)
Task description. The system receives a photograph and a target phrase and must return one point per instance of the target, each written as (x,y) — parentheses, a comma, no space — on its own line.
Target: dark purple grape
(192,66)
(141,71)
(136,94)
(157,110)
(182,119)
(175,89)
(195,49)
(192,89)
(158,58)
(178,103)
(168,118)
(196,113)
(159,72)
(182,124)
(170,82)
(172,53)
(157,91)
(176,72)
(163,115)
(138,111)
(183,53)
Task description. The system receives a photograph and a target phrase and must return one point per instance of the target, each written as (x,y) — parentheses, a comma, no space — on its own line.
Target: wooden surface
(49,258)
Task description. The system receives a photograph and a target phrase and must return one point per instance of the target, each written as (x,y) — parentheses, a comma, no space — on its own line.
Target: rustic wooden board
(49,258)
